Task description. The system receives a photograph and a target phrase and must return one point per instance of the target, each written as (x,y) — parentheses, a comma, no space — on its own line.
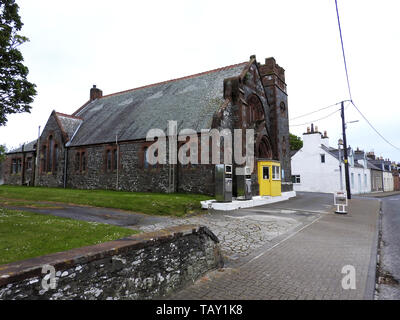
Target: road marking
(277,244)
(280,209)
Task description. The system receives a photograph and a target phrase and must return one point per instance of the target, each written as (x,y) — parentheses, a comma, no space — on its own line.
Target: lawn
(26,235)
(175,204)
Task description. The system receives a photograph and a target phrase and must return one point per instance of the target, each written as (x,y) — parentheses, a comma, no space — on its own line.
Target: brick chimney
(95,93)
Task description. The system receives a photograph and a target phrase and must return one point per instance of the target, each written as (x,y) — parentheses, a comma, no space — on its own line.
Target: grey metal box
(223,183)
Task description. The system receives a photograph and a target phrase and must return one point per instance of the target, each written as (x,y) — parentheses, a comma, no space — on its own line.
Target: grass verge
(175,204)
(26,235)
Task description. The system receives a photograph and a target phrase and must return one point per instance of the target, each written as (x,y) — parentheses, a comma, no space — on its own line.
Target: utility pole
(346,162)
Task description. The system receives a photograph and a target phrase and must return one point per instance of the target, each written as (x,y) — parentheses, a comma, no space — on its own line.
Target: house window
(56,153)
(19,165)
(276,173)
(44,160)
(108,160)
(365,180)
(77,161)
(145,160)
(352,180)
(14,166)
(51,150)
(322,158)
(80,161)
(29,163)
(115,159)
(296,178)
(83,162)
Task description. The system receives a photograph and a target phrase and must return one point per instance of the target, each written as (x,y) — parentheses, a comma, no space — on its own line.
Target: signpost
(340,201)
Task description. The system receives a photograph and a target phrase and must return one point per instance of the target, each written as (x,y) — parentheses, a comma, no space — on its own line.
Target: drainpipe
(116,142)
(37,167)
(65,165)
(23,165)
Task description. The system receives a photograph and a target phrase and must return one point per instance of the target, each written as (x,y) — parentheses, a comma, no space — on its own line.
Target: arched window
(44,159)
(255,109)
(51,155)
(115,157)
(145,160)
(83,159)
(56,154)
(283,108)
(108,159)
(77,161)
(263,148)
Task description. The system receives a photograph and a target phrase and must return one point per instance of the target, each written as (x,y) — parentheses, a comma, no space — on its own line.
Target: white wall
(325,177)
(388,183)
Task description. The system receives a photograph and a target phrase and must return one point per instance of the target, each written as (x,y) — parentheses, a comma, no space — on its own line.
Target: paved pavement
(304,264)
(389,287)
(379,194)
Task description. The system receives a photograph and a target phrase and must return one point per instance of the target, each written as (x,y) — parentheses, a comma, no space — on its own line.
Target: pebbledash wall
(143,266)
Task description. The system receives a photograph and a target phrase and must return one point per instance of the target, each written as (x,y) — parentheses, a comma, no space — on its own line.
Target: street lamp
(351,122)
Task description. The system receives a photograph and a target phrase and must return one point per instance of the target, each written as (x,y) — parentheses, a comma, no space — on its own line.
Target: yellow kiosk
(269,177)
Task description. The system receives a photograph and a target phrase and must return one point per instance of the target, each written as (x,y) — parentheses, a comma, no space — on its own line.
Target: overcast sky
(120,45)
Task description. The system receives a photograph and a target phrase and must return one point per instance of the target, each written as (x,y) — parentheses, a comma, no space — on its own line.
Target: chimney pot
(95,93)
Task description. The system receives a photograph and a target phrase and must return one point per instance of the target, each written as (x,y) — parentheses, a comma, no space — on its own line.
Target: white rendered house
(315,167)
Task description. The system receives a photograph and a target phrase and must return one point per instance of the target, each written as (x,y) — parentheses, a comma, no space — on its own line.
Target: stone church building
(102,145)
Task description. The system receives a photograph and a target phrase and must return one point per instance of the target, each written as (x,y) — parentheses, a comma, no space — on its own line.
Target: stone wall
(142,266)
(51,177)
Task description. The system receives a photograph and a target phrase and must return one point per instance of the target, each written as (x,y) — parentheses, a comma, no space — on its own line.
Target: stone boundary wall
(142,266)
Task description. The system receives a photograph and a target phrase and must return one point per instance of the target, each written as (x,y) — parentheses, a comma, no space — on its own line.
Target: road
(389,287)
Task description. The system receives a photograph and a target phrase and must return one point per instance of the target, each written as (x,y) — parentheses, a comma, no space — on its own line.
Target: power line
(302,124)
(370,124)
(306,114)
(348,83)
(344,56)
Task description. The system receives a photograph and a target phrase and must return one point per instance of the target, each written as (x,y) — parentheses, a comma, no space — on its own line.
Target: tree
(295,142)
(16,92)
(3,151)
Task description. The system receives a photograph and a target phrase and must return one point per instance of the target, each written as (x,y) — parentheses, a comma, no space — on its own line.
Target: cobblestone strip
(238,235)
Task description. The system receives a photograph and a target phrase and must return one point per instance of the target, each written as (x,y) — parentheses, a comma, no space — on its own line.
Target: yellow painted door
(264,178)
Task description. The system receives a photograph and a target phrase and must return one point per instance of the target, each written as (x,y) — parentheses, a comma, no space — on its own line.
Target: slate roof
(27,147)
(191,101)
(335,152)
(69,124)
(370,165)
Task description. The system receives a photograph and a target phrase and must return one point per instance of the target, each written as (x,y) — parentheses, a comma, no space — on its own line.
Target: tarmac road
(389,288)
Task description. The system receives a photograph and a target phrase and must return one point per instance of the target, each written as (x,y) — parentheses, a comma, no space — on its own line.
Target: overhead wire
(348,83)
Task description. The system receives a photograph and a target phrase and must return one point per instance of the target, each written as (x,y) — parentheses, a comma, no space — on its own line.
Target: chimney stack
(95,93)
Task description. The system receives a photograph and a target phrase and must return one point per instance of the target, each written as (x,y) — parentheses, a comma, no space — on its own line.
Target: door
(264,179)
